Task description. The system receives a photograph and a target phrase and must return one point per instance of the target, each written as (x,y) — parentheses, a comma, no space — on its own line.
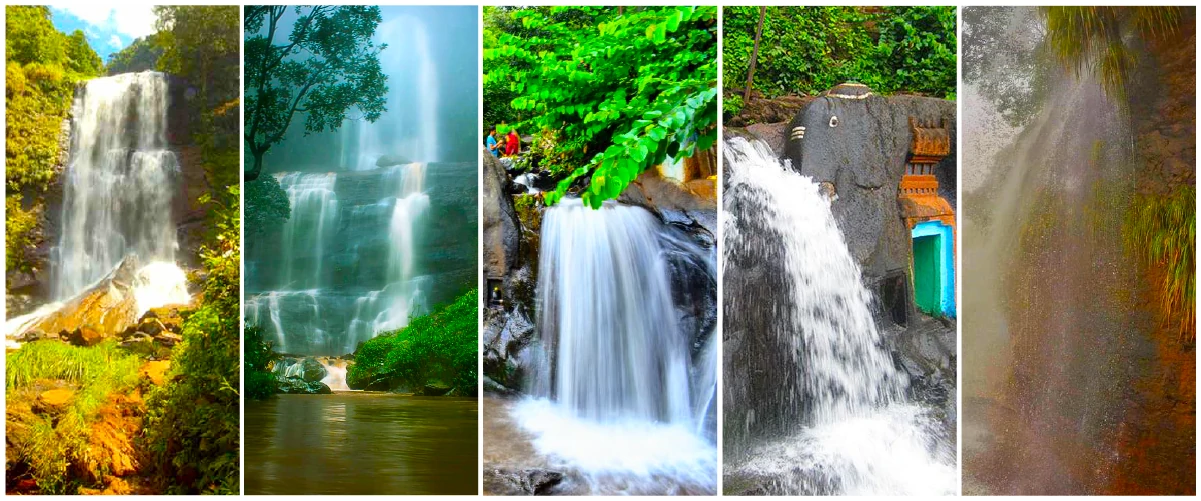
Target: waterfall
(616,395)
(846,382)
(408,131)
(307,305)
(120,182)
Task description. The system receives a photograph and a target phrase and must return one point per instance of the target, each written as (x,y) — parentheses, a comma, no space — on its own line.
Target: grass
(1162,231)
(55,449)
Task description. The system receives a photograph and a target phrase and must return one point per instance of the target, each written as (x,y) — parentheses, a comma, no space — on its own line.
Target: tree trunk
(750,74)
(257,169)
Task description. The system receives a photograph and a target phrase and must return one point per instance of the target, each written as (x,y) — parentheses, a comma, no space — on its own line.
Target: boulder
(507,336)
(501,234)
(312,370)
(435,389)
(85,336)
(55,400)
(526,482)
(390,160)
(296,385)
(156,371)
(107,308)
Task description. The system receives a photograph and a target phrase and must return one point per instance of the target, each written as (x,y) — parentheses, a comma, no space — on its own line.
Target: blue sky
(108,29)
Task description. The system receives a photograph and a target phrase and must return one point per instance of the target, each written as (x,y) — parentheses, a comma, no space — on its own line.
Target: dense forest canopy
(807,50)
(608,91)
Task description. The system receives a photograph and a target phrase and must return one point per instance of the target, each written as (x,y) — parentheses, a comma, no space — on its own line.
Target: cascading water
(618,395)
(409,130)
(369,214)
(120,183)
(857,434)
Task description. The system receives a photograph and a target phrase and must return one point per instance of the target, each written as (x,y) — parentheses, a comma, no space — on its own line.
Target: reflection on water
(361,443)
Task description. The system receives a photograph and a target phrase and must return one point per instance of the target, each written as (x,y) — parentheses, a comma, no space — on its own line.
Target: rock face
(501,228)
(105,310)
(855,144)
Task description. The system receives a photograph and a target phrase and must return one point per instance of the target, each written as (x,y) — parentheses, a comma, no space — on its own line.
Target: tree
(631,87)
(141,55)
(327,65)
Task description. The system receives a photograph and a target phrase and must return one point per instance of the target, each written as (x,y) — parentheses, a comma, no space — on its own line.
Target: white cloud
(131,20)
(115,41)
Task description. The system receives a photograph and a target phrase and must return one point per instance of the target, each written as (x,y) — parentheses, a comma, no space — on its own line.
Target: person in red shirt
(512,143)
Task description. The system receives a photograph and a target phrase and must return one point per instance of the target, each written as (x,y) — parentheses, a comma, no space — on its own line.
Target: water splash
(858,435)
(617,375)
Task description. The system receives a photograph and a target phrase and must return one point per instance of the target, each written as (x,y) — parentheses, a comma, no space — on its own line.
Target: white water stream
(860,436)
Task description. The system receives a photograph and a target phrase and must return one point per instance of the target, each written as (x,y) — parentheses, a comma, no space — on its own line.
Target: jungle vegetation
(608,91)
(807,50)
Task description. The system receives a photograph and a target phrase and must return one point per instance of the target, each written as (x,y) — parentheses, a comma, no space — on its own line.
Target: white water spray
(860,436)
(615,399)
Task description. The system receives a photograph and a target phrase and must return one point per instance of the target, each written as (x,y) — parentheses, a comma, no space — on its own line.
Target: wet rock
(501,226)
(507,335)
(390,160)
(526,482)
(312,370)
(168,339)
(435,389)
(85,336)
(296,385)
(760,110)
(107,308)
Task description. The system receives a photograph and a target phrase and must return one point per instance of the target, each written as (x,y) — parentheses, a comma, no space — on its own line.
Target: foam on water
(618,398)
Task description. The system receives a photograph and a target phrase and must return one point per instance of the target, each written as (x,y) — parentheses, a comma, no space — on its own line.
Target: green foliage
(43,67)
(267,205)
(55,446)
(1162,231)
(191,428)
(811,49)
(141,55)
(323,67)
(259,382)
(440,347)
(627,87)
(1094,40)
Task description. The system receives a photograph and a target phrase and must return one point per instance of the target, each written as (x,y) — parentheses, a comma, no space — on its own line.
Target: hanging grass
(1162,230)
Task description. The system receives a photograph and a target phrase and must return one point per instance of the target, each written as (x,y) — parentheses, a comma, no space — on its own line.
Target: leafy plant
(628,86)
(43,66)
(326,66)
(1093,39)
(1162,231)
(811,49)
(440,347)
(259,382)
(267,205)
(192,422)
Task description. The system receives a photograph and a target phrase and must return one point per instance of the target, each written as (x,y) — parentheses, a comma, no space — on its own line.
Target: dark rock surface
(858,149)
(526,482)
(295,385)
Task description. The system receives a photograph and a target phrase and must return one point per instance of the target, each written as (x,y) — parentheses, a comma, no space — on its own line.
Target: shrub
(191,430)
(442,347)
(260,382)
